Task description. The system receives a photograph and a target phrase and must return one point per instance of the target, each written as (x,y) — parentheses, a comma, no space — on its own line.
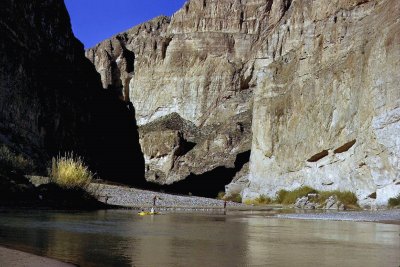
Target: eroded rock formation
(196,65)
(327,102)
(325,109)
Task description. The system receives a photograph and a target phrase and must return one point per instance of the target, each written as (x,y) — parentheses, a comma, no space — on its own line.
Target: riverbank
(15,258)
(129,197)
(381,216)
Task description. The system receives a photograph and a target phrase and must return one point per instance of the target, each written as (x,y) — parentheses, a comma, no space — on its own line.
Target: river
(122,238)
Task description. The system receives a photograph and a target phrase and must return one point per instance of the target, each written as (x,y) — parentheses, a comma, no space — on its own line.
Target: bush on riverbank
(234,197)
(261,200)
(290,197)
(394,201)
(347,198)
(285,197)
(69,171)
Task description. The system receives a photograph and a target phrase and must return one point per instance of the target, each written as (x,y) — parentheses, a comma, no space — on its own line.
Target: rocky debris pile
(309,202)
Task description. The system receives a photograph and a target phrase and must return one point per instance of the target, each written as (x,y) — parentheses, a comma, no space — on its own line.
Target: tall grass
(394,201)
(347,198)
(290,197)
(261,200)
(234,197)
(69,171)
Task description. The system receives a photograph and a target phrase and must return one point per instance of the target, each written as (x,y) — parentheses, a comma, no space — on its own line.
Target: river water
(122,238)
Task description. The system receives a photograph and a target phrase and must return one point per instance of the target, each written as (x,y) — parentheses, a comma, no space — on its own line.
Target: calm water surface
(121,238)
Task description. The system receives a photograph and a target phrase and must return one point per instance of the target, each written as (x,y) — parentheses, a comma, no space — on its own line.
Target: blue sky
(96,20)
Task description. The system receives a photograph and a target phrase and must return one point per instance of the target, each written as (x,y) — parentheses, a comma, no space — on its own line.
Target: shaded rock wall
(51,98)
(326,108)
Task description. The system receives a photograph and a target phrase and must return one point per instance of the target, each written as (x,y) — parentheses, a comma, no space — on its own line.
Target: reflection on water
(121,238)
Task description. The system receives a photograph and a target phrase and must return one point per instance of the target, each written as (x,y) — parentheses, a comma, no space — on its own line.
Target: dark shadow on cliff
(114,148)
(208,184)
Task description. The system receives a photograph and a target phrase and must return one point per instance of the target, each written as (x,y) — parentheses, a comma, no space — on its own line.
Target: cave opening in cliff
(208,184)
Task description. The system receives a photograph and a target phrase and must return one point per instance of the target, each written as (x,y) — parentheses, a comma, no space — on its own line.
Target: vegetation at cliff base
(290,197)
(394,201)
(233,197)
(69,171)
(347,198)
(260,200)
(285,197)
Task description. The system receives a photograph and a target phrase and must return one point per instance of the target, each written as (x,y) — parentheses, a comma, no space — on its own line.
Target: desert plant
(394,201)
(69,171)
(234,197)
(221,195)
(347,198)
(260,200)
(14,161)
(290,197)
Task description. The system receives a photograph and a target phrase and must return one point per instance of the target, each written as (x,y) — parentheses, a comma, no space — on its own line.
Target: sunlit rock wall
(327,103)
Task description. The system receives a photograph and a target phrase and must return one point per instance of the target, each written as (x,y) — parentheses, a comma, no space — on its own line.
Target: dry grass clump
(394,201)
(290,197)
(261,200)
(347,198)
(221,195)
(69,171)
(234,197)
(14,161)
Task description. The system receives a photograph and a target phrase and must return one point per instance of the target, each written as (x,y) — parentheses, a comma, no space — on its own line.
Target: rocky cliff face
(327,103)
(51,99)
(196,65)
(318,79)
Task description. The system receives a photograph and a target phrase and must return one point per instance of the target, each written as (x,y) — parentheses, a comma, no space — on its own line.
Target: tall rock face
(51,98)
(327,103)
(317,80)
(197,66)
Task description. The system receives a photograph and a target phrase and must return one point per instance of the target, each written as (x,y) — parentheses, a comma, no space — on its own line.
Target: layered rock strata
(325,109)
(327,103)
(197,65)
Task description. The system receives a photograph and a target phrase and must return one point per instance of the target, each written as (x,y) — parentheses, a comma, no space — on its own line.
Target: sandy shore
(15,258)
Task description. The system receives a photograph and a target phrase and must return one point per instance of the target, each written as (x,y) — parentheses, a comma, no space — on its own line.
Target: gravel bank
(137,198)
(392,216)
(10,257)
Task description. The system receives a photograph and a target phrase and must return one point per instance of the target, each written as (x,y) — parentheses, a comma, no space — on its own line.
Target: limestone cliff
(196,65)
(317,80)
(51,99)
(327,103)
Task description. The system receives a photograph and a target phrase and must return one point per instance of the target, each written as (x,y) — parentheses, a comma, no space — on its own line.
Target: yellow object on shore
(143,213)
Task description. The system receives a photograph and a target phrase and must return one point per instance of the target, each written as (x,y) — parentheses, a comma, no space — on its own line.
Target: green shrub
(290,197)
(221,195)
(394,201)
(281,195)
(69,171)
(261,200)
(234,197)
(14,161)
(346,197)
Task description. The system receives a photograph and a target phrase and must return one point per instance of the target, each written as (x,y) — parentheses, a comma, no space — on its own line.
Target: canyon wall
(316,80)
(327,102)
(196,66)
(51,98)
